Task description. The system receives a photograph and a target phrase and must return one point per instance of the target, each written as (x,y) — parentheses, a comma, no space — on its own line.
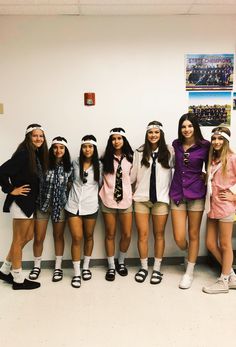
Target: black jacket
(14,173)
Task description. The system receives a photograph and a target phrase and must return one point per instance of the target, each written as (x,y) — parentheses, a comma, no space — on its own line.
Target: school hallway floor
(122,313)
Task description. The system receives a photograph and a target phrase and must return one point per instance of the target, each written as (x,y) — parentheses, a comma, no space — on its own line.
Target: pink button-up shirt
(109,180)
(220,208)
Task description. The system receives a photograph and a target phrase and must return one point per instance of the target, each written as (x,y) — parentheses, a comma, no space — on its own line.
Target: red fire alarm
(89,99)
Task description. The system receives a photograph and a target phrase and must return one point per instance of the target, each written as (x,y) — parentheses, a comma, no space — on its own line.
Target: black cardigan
(14,173)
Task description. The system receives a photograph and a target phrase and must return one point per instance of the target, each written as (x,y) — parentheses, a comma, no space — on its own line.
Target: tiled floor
(122,313)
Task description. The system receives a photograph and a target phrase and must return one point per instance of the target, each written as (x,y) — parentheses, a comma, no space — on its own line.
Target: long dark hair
(66,161)
(107,159)
(197,131)
(41,153)
(94,159)
(163,152)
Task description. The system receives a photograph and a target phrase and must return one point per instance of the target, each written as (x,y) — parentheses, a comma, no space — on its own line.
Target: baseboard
(49,264)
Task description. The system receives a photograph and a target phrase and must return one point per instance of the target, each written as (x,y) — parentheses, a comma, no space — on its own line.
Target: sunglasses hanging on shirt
(85,174)
(186,158)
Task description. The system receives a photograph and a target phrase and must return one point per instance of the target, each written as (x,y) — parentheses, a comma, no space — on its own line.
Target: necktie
(152,187)
(118,191)
(56,194)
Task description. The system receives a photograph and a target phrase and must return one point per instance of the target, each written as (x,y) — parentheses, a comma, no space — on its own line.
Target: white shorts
(17,213)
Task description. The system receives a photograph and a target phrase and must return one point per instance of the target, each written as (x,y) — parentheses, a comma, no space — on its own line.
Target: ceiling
(117,7)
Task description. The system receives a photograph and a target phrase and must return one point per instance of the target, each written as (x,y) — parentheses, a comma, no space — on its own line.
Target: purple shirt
(187,182)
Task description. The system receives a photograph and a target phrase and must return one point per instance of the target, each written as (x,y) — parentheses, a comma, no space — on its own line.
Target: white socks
(58,261)
(157,264)
(111,262)
(18,275)
(6,267)
(144,263)
(86,262)
(76,265)
(121,258)
(37,262)
(190,268)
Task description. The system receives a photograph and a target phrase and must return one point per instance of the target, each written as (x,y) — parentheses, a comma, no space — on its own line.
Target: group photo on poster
(211,108)
(209,71)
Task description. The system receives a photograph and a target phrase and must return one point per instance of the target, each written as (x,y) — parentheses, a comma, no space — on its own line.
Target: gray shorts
(40,215)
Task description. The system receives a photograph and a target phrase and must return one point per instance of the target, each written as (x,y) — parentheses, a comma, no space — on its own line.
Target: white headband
(222,133)
(92,142)
(149,127)
(61,142)
(122,133)
(33,128)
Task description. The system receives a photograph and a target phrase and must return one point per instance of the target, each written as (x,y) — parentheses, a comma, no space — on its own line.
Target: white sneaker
(232,282)
(220,286)
(186,281)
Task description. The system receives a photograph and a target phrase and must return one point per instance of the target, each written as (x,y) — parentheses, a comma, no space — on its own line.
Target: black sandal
(110,275)
(86,275)
(156,277)
(57,275)
(122,269)
(76,281)
(34,273)
(141,275)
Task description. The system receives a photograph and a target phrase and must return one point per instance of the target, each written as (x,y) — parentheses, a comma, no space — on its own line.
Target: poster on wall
(234,101)
(209,71)
(211,108)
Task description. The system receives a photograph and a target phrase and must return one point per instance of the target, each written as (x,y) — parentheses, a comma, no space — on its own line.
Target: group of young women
(41,184)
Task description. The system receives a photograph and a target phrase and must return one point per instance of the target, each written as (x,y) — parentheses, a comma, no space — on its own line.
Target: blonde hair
(223,154)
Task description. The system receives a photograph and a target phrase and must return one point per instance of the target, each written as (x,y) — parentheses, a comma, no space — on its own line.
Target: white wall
(134,64)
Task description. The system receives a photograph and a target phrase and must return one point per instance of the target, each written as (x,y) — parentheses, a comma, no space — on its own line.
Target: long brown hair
(163,152)
(41,153)
(65,162)
(223,153)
